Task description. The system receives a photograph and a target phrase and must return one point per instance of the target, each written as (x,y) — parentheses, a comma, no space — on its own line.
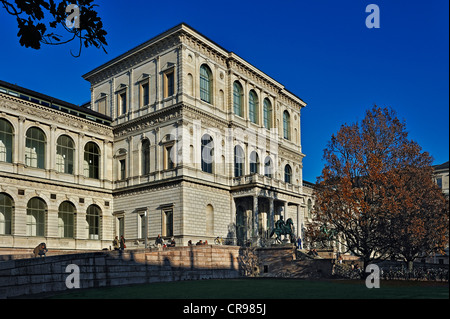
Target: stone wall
(30,276)
(281,261)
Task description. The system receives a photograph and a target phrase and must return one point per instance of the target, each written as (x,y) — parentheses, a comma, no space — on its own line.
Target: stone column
(255,216)
(130,97)
(233,220)
(79,164)
(271,214)
(51,160)
(299,223)
(285,217)
(158,151)
(19,155)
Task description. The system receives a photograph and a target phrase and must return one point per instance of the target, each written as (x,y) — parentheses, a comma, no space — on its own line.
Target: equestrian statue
(283,228)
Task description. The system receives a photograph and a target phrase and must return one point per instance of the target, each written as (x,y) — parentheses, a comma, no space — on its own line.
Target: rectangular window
(122,172)
(145,93)
(121,224)
(141,224)
(167,229)
(439,182)
(121,103)
(101,105)
(169,83)
(169,156)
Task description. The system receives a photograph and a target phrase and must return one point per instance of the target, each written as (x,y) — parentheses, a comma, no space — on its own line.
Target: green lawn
(266,289)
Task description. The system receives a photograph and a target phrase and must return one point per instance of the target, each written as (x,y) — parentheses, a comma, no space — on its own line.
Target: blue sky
(321,51)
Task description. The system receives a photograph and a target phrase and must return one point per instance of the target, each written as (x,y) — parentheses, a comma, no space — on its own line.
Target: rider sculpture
(283,228)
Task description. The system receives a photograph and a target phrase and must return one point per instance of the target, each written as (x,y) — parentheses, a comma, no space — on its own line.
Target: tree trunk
(410,264)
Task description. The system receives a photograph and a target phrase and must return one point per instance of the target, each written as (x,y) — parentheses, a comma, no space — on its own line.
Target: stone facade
(191,141)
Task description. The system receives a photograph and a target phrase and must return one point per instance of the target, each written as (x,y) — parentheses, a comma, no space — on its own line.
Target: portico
(257,208)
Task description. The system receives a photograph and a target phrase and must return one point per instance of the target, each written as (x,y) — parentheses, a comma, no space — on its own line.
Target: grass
(262,288)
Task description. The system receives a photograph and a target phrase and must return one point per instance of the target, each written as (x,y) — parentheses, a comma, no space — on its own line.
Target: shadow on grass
(264,288)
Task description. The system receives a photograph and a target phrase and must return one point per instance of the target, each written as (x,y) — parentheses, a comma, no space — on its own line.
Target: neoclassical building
(181,138)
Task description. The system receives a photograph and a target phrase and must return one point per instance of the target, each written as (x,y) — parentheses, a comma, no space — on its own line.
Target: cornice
(132,58)
(53,116)
(148,121)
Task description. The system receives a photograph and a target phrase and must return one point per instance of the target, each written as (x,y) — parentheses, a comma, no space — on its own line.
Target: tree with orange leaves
(376,194)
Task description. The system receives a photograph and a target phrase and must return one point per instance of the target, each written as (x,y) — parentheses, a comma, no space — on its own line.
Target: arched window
(253,107)
(267,114)
(36,212)
(205,83)
(237,98)
(91,160)
(268,167)
(145,157)
(254,163)
(35,148)
(286,125)
(6,141)
(238,161)
(207,153)
(6,214)
(287,173)
(65,151)
(66,213)
(93,214)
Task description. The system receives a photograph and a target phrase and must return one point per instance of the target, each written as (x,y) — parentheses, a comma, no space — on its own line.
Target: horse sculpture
(283,228)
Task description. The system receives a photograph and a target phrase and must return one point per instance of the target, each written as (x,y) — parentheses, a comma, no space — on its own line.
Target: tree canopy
(377,194)
(40,22)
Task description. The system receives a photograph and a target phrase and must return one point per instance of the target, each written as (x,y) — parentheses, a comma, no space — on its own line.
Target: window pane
(268,167)
(254,163)
(238,161)
(145,94)
(267,114)
(6,212)
(237,99)
(101,104)
(205,84)
(169,223)
(36,211)
(66,220)
(64,154)
(93,222)
(169,84)
(6,141)
(287,174)
(252,107)
(169,157)
(207,154)
(91,160)
(35,148)
(122,169)
(145,157)
(123,103)
(286,125)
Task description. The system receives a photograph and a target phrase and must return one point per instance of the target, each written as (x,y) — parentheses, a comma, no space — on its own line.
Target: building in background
(441,173)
